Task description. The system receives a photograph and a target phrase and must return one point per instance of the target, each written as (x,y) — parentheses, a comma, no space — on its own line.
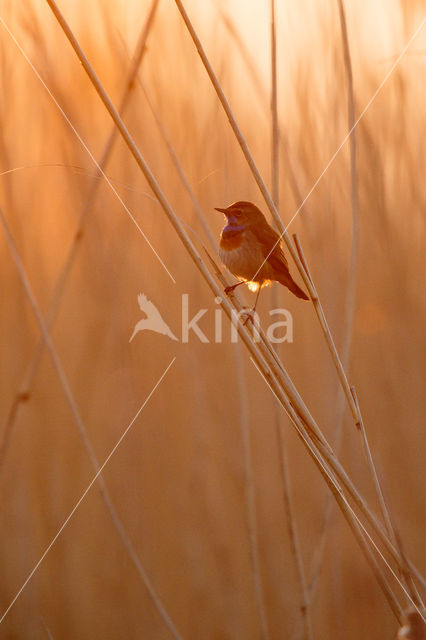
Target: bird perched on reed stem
(251,250)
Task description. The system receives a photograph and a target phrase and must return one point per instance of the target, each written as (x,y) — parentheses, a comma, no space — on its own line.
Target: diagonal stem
(304,605)
(83,433)
(276,376)
(25,388)
(271,206)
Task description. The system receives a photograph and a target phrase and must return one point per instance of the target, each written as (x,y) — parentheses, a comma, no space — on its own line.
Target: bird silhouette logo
(153,320)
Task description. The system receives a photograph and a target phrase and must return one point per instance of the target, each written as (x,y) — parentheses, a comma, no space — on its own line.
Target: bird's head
(242,213)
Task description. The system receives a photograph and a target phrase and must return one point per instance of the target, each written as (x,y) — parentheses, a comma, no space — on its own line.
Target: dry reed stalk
(245,54)
(178,165)
(271,206)
(360,427)
(29,377)
(353,521)
(47,630)
(405,572)
(372,468)
(251,495)
(308,281)
(318,448)
(244,422)
(243,413)
(351,285)
(329,477)
(25,387)
(274,112)
(304,605)
(84,436)
(350,304)
(317,561)
(174,220)
(415,596)
(262,93)
(353,260)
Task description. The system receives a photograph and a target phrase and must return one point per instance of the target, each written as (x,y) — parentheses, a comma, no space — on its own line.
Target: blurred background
(178,480)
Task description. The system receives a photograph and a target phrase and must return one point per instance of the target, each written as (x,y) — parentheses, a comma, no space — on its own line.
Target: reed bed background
(179,479)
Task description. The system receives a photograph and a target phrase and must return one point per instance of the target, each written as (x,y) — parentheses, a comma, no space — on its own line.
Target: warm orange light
(254,286)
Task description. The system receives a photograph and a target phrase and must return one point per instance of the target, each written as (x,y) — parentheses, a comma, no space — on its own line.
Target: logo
(277,332)
(153,320)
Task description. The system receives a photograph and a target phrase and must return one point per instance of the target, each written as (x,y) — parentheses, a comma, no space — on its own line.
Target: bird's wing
(271,246)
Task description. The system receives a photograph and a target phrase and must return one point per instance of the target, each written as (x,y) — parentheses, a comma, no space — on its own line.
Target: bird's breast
(240,255)
(232,237)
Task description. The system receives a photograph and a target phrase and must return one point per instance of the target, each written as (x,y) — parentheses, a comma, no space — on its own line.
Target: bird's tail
(288,282)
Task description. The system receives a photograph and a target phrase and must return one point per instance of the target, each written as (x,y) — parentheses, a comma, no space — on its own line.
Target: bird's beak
(221,210)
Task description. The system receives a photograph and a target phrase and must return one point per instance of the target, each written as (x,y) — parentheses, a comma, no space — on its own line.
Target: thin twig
(353,521)
(261,90)
(350,290)
(318,558)
(305,609)
(314,295)
(83,431)
(256,77)
(301,255)
(324,458)
(251,496)
(416,598)
(312,449)
(25,387)
(304,605)
(373,471)
(275,168)
(274,212)
(405,570)
(178,165)
(353,260)
(244,423)
(271,206)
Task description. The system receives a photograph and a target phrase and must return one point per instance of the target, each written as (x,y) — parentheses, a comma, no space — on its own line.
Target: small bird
(251,250)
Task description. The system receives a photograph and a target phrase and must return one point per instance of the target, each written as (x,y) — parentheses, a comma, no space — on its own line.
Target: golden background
(178,479)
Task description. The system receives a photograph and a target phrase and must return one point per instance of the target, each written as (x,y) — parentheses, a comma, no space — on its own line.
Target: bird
(153,321)
(251,250)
